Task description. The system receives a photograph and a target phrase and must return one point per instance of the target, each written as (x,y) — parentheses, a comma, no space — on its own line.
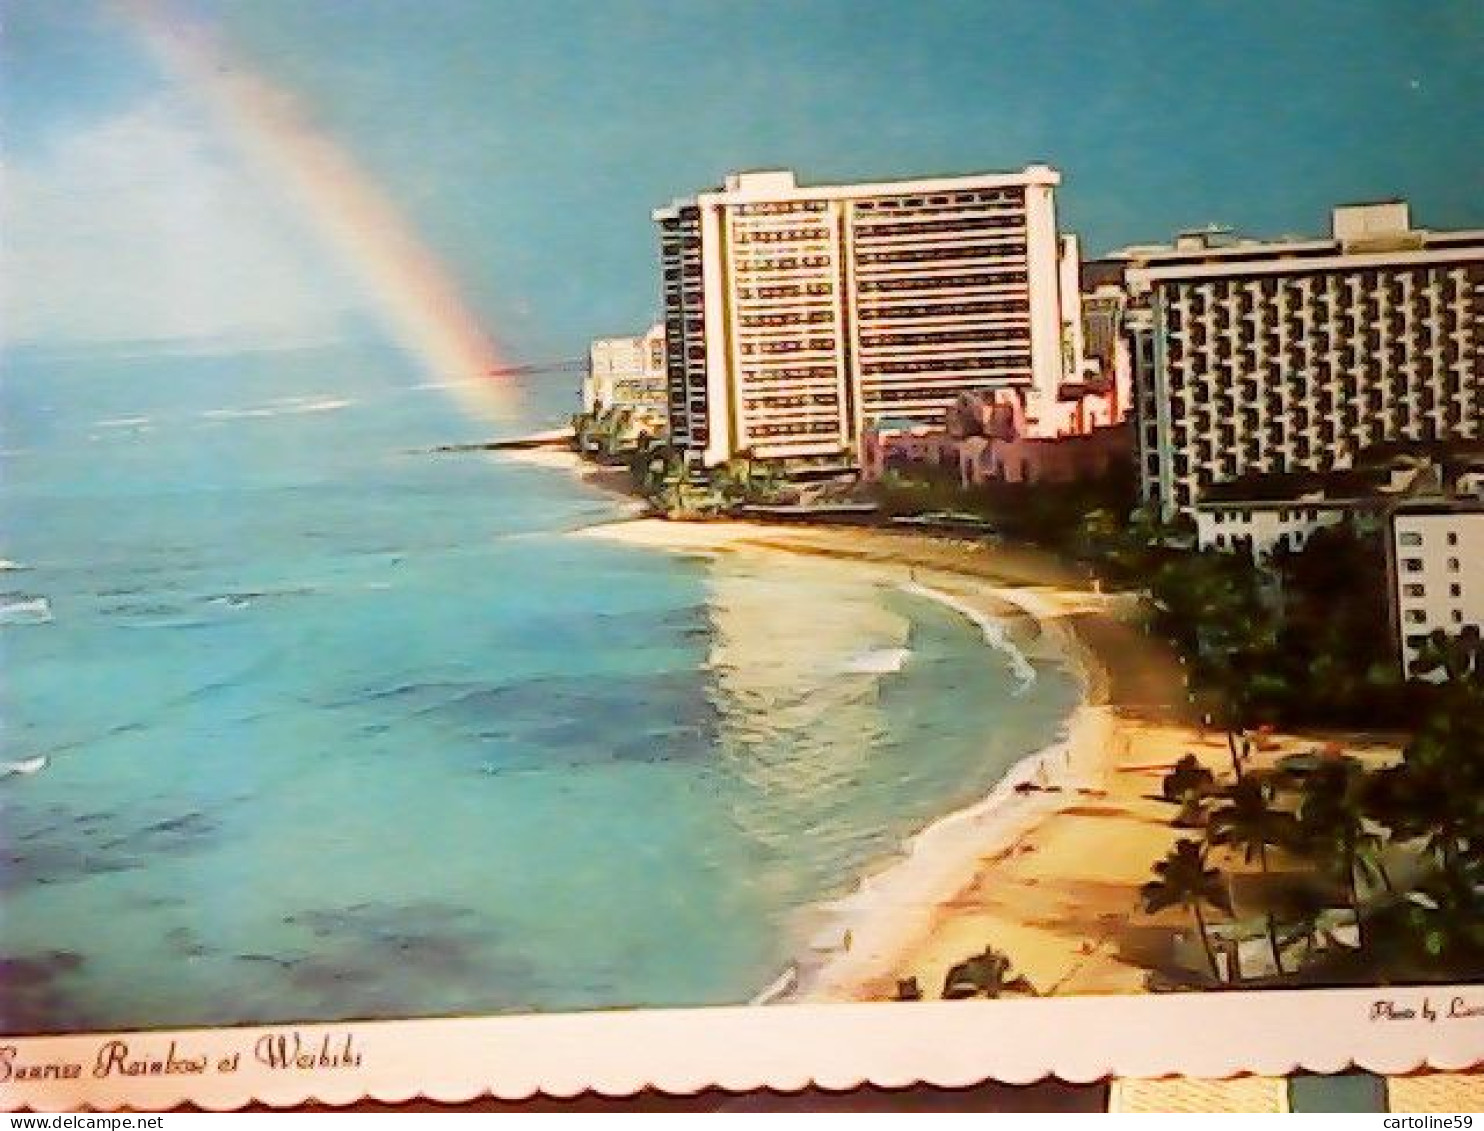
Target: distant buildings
(1436,552)
(984,436)
(1425,502)
(1261,514)
(1294,355)
(798,316)
(627,373)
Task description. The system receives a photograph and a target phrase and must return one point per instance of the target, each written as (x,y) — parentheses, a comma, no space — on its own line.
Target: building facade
(1437,567)
(627,373)
(1288,356)
(797,315)
(1261,527)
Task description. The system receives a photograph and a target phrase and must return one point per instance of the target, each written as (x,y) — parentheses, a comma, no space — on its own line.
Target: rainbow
(417,297)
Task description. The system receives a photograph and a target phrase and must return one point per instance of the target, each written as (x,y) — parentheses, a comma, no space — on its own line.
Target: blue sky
(528,141)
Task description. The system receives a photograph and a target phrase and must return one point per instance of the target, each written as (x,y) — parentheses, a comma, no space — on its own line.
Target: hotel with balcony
(797,315)
(1294,355)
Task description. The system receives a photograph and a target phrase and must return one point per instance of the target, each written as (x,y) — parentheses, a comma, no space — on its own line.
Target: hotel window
(1420,590)
(1457,616)
(1416,616)
(1452,538)
(1455,590)
(1452,565)
(1412,565)
(1410,538)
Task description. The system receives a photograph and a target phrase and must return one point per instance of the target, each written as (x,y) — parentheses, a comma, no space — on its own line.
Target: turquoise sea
(338,728)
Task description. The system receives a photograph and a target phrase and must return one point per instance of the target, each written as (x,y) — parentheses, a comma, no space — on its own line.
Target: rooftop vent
(761,181)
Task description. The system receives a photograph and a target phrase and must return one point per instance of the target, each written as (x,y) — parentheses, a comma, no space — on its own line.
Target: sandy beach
(615,480)
(1048,872)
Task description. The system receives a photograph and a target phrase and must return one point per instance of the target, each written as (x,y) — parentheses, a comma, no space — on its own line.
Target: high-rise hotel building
(1296,355)
(795,315)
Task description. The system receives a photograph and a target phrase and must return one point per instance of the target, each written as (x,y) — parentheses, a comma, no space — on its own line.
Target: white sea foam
(24,768)
(468,381)
(856,936)
(30,610)
(122,422)
(878,661)
(286,406)
(993,628)
(8,566)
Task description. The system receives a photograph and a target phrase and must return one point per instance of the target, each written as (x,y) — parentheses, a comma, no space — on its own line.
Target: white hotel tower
(1296,355)
(796,314)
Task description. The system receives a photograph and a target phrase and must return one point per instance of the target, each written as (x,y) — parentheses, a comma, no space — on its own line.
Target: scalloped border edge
(784,1048)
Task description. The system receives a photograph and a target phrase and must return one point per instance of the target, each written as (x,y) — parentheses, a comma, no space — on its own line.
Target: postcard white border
(786,1047)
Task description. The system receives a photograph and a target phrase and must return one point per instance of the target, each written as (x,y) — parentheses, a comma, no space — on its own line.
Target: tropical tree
(1436,793)
(988,974)
(1182,879)
(1332,827)
(1216,611)
(1338,655)
(1188,785)
(1247,821)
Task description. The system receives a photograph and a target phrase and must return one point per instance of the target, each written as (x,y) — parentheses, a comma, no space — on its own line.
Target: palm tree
(1188,785)
(1248,822)
(984,975)
(1331,826)
(1436,793)
(1183,880)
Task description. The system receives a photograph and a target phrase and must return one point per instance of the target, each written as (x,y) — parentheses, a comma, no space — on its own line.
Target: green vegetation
(1046,514)
(1389,857)
(1182,879)
(1306,641)
(661,476)
(1346,873)
(988,974)
(609,435)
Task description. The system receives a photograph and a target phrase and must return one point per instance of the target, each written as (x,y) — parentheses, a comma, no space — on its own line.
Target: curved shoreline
(893,905)
(896,912)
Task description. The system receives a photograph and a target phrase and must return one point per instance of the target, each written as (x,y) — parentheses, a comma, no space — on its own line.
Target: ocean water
(338,728)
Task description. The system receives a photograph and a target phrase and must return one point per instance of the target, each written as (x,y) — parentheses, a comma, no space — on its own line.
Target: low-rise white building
(627,373)
(1437,567)
(1261,527)
(1261,514)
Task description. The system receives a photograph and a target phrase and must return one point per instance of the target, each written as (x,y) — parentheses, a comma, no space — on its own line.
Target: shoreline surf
(850,940)
(862,934)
